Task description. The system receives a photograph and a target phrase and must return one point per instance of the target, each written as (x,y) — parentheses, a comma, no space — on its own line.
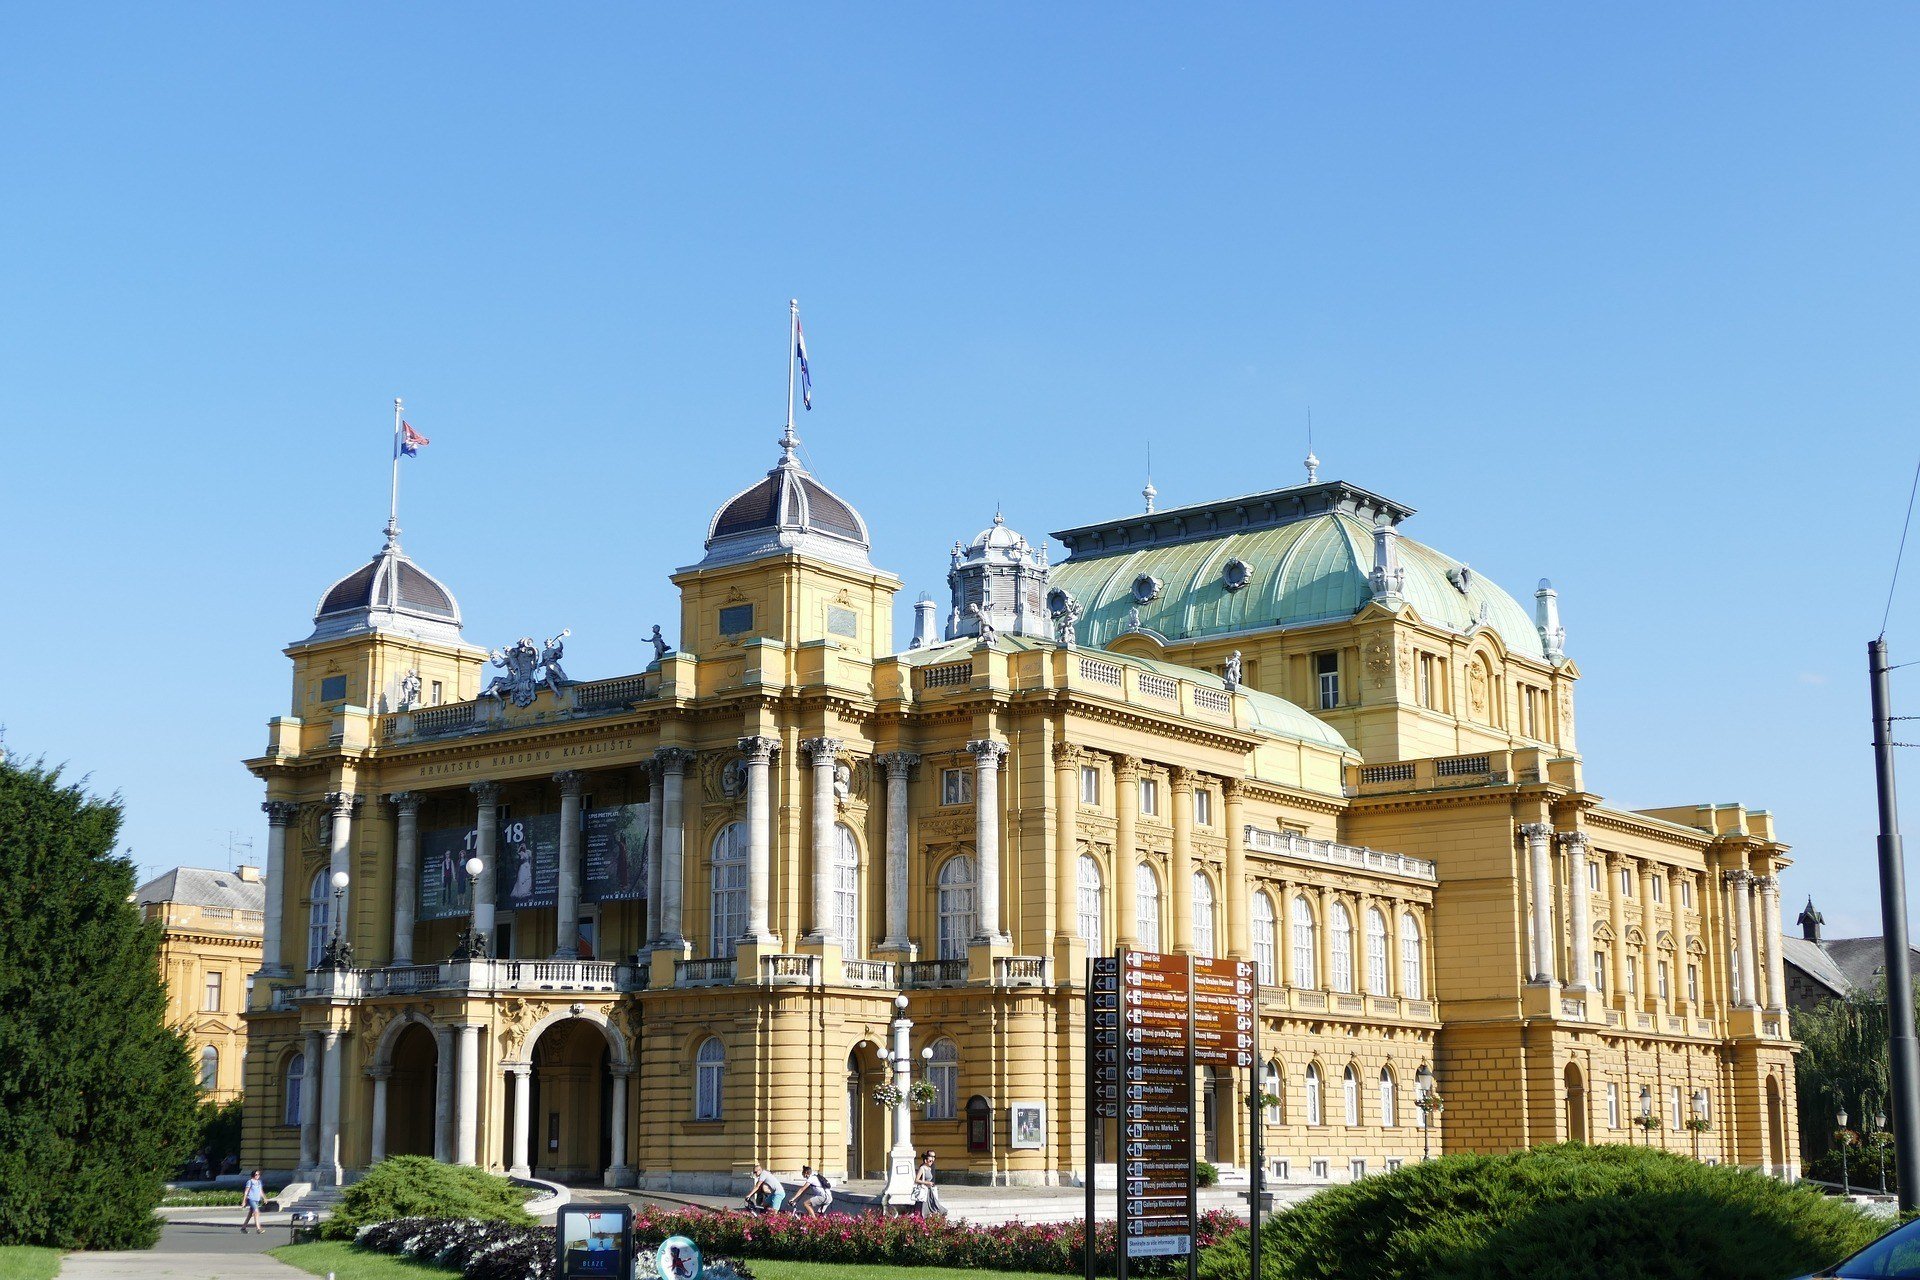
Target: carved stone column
(1066,842)
(1617,919)
(466,1125)
(406,870)
(486,828)
(521,1074)
(899,766)
(759,753)
(618,1171)
(1239,892)
(1126,851)
(987,756)
(673,762)
(824,752)
(1776,970)
(341,807)
(1540,873)
(273,960)
(566,894)
(1579,907)
(329,1163)
(443,1094)
(1739,883)
(377,1139)
(1650,949)
(311,1075)
(656,825)
(1180,783)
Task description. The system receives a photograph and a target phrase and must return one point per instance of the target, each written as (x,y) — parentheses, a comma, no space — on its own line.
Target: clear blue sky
(1624,296)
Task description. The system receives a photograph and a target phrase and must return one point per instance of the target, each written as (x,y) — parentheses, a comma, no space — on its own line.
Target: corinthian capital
(1738,876)
(1768,884)
(899,764)
(570,781)
(1575,840)
(1126,767)
(1536,830)
(342,803)
(759,750)
(279,813)
(487,793)
(821,751)
(1067,754)
(404,801)
(987,754)
(672,760)
(1183,777)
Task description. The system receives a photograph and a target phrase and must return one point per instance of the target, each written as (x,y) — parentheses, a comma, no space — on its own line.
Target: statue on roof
(1066,612)
(1232,672)
(529,668)
(550,656)
(659,642)
(988,632)
(409,690)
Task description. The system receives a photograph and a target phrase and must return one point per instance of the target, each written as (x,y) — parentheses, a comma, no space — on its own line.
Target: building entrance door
(855,1167)
(1210,1114)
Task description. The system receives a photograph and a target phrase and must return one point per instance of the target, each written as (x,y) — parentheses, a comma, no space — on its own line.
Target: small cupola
(389,593)
(788,511)
(1001,577)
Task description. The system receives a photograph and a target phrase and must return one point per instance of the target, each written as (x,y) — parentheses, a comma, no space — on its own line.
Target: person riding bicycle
(768,1193)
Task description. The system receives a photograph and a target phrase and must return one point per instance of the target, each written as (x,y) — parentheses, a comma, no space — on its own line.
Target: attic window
(736,618)
(1146,588)
(333,689)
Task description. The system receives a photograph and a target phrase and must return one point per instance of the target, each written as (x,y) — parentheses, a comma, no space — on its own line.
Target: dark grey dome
(388,593)
(787,511)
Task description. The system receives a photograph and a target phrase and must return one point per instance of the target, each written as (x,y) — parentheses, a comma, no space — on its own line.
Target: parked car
(1891,1257)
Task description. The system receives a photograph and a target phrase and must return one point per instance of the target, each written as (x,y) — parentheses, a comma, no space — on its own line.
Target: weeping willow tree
(1842,1065)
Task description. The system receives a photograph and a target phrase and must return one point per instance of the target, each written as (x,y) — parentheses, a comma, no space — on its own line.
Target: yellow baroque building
(651,929)
(210,929)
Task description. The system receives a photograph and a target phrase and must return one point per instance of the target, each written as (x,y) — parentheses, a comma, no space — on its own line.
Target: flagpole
(393,497)
(793,341)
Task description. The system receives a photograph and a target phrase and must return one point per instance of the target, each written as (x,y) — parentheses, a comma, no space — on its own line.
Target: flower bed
(906,1240)
(494,1251)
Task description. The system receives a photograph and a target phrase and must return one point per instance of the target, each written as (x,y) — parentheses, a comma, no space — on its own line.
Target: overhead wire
(1901,553)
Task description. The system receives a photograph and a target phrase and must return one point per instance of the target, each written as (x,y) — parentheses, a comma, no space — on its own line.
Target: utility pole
(1904,1077)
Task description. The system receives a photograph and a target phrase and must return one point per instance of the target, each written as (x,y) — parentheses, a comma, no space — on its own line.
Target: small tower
(1388,578)
(925,622)
(1810,922)
(1546,616)
(1006,577)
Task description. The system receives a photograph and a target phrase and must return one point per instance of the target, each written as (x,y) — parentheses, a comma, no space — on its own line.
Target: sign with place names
(1156,1105)
(1103,1022)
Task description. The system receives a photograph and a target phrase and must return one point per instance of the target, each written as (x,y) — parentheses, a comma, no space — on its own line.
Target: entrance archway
(856,1160)
(1210,1111)
(1776,1129)
(571,1104)
(1576,1091)
(411,1090)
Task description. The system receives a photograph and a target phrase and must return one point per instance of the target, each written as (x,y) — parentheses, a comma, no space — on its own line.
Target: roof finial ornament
(1313,463)
(1148,491)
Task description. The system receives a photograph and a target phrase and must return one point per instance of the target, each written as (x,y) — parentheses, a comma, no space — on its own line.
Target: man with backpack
(816,1191)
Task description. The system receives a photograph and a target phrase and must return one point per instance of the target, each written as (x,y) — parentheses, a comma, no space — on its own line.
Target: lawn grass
(23,1262)
(349,1263)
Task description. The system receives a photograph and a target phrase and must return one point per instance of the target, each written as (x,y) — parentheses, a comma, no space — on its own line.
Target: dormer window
(1326,671)
(333,689)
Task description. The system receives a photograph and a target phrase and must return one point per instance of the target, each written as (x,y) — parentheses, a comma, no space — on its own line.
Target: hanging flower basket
(886,1096)
(922,1093)
(1698,1124)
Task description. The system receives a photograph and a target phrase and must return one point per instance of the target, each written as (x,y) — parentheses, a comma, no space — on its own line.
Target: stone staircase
(305,1197)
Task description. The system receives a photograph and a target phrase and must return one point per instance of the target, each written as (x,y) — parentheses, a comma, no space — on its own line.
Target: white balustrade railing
(1294,845)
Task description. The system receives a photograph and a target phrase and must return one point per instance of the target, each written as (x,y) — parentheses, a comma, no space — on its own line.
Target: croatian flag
(411,441)
(800,352)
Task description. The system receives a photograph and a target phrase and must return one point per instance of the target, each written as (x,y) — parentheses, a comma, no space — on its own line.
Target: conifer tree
(97,1094)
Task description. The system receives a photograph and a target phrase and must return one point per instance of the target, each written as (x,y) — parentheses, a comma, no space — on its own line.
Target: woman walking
(925,1194)
(253,1197)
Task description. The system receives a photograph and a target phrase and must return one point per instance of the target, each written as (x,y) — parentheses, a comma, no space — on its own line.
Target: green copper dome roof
(1279,559)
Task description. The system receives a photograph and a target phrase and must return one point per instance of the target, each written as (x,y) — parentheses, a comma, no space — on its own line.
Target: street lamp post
(898,1193)
(1646,1115)
(1880,1145)
(338,953)
(1846,1182)
(473,943)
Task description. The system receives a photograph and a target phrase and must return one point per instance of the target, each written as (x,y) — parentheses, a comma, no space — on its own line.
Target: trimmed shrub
(1553,1213)
(416,1187)
(1205,1174)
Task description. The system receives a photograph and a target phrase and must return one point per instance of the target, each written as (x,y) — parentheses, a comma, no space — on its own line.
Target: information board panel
(1156,1109)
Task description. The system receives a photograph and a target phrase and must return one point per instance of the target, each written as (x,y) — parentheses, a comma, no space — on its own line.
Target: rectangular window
(736,618)
(1394,1163)
(956,786)
(1593,876)
(1673,1108)
(1686,894)
(1326,670)
(1613,1106)
(333,689)
(1320,1170)
(1283,1169)
(1203,807)
(1626,881)
(1425,691)
(1633,975)
(1658,885)
(1089,784)
(1600,971)
(1693,984)
(213,993)
(438,693)
(1663,980)
(1356,1168)
(1150,796)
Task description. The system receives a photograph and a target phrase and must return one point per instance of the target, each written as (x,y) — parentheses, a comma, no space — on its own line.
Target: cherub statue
(550,656)
(518,685)
(988,632)
(1232,673)
(659,642)
(1063,620)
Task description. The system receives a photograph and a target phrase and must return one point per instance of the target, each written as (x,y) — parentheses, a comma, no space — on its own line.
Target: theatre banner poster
(529,874)
(446,892)
(613,854)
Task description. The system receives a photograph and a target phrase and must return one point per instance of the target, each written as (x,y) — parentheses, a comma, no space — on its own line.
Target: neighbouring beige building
(1271,727)
(211,924)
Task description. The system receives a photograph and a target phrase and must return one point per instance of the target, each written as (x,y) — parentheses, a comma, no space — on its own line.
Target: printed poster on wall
(445,890)
(529,873)
(613,854)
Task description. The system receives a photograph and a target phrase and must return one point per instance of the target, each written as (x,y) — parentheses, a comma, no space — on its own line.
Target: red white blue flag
(412,442)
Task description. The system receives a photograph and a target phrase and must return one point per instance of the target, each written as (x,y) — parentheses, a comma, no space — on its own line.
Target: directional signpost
(1152,1019)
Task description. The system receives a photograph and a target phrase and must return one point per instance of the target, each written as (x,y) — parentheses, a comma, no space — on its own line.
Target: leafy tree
(220,1130)
(97,1094)
(1842,1064)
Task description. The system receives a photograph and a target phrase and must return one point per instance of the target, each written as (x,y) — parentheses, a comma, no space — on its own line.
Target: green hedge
(1553,1213)
(416,1187)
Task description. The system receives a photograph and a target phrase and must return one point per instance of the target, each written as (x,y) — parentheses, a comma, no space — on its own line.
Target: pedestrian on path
(925,1194)
(253,1197)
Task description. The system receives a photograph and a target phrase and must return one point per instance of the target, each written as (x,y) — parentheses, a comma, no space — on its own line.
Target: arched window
(943,1073)
(1270,1086)
(1147,908)
(1340,940)
(291,1086)
(1410,967)
(319,917)
(1313,1093)
(1376,952)
(846,891)
(1263,938)
(1202,916)
(1089,902)
(1389,1099)
(958,899)
(1350,1088)
(729,894)
(209,1068)
(1303,942)
(709,1072)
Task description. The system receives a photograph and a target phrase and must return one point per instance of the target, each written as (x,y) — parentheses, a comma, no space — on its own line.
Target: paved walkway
(197,1250)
